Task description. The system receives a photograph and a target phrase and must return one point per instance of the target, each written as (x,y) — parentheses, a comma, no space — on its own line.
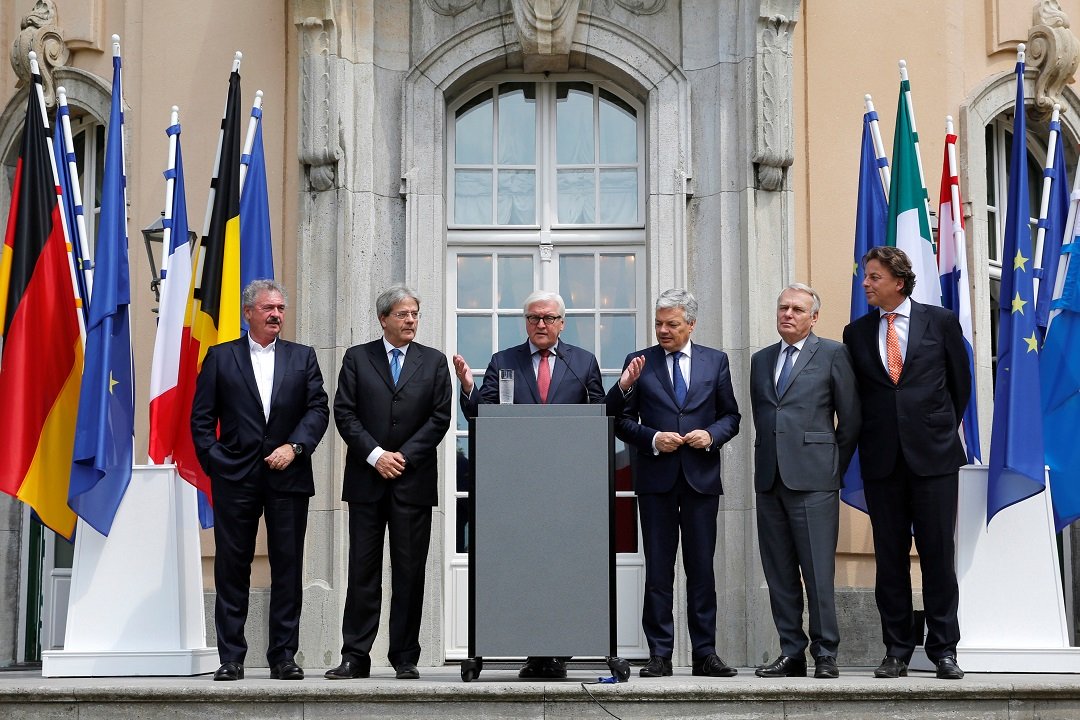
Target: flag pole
(1069,237)
(879,146)
(1044,203)
(76,189)
(909,103)
(249,140)
(170,185)
(79,301)
(954,194)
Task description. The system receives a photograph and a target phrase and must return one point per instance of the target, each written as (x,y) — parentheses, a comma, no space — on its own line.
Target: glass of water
(506,387)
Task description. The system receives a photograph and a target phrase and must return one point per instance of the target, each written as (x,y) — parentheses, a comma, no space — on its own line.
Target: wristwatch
(297,448)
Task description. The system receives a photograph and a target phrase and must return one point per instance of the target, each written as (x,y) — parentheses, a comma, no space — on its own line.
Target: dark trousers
(797,533)
(410,536)
(237,508)
(664,516)
(900,505)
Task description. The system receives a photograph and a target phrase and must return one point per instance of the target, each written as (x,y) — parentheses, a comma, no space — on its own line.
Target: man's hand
(698,439)
(464,374)
(631,373)
(390,465)
(281,458)
(669,441)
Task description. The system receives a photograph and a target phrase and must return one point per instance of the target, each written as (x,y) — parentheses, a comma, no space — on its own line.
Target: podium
(542,556)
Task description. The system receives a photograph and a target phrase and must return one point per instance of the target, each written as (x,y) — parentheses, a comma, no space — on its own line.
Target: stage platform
(440,693)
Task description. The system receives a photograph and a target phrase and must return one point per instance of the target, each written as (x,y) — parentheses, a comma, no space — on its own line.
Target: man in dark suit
(807,417)
(914,382)
(675,418)
(267,396)
(545,371)
(392,409)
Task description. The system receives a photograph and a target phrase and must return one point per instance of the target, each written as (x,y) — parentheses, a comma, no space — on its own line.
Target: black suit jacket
(411,418)
(226,394)
(575,379)
(920,415)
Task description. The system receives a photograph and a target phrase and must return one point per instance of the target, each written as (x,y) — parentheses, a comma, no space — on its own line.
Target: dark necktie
(395,364)
(677,379)
(785,371)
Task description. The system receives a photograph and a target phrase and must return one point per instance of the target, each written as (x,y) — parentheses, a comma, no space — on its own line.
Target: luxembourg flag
(952,265)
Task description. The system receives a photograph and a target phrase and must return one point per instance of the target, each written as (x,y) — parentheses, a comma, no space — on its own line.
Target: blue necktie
(785,371)
(395,364)
(677,379)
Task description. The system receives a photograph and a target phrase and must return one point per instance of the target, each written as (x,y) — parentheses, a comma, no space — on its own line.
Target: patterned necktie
(543,376)
(892,349)
(785,371)
(677,379)
(395,364)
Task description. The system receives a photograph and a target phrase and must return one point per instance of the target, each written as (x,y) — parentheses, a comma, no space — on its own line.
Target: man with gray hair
(266,395)
(676,410)
(392,409)
(546,371)
(807,416)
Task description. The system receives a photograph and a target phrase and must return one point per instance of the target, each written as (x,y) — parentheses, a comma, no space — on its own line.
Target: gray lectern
(542,556)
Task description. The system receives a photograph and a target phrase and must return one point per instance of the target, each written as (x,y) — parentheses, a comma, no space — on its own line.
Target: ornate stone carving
(1054,52)
(450,8)
(320,141)
(639,7)
(773,141)
(40,33)
(546,31)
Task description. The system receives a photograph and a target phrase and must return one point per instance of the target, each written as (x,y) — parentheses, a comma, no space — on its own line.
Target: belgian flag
(213,314)
(41,364)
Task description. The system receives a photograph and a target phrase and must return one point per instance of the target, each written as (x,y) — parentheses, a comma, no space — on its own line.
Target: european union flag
(256,252)
(104,432)
(871,227)
(1016,448)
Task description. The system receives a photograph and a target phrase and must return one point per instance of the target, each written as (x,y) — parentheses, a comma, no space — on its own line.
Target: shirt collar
(390,348)
(797,345)
(257,348)
(903,309)
(685,350)
(533,349)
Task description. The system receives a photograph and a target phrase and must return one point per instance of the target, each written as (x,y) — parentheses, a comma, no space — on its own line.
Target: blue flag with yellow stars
(104,432)
(1016,446)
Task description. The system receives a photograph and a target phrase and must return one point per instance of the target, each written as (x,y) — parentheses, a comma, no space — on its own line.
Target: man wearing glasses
(392,409)
(546,371)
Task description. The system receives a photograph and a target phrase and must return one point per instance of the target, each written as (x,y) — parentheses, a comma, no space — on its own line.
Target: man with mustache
(267,396)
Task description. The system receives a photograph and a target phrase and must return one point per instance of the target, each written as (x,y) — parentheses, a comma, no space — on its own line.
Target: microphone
(559,354)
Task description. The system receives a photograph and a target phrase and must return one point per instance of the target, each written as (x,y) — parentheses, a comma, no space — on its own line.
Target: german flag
(213,314)
(41,364)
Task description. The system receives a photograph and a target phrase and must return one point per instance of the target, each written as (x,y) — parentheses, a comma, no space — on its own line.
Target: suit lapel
(870,330)
(805,356)
(242,353)
(379,362)
(916,329)
(659,366)
(558,372)
(282,354)
(524,370)
(410,364)
(768,360)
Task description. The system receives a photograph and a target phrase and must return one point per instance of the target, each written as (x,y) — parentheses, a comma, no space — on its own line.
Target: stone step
(498,693)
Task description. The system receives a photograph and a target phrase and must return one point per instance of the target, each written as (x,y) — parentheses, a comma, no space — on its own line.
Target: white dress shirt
(901,323)
(262,362)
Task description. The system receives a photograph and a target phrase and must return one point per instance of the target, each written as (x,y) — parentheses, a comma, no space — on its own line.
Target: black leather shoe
(825,668)
(784,666)
(713,666)
(542,668)
(947,669)
(286,670)
(656,667)
(348,670)
(406,671)
(891,667)
(230,671)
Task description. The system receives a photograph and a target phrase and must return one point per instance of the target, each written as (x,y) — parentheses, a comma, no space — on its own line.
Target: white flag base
(136,603)
(1012,610)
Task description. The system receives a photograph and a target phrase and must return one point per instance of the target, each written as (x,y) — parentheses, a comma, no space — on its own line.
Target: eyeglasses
(548,319)
(401,315)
